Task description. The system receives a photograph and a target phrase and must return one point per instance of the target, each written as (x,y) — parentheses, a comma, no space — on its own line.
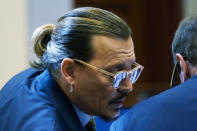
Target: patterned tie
(91,126)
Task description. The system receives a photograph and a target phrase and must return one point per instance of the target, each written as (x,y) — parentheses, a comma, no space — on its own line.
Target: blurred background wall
(13,38)
(189,7)
(153,24)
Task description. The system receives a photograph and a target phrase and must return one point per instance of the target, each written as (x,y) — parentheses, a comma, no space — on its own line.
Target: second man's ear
(67,70)
(183,66)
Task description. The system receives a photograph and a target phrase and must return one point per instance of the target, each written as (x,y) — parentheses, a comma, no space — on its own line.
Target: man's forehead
(103,43)
(112,52)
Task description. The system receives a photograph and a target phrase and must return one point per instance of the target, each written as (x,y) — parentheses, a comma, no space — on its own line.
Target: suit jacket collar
(60,100)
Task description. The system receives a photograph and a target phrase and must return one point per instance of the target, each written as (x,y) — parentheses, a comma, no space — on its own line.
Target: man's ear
(184,67)
(67,70)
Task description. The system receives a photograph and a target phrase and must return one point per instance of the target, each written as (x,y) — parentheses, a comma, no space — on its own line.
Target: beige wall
(13,36)
(18,20)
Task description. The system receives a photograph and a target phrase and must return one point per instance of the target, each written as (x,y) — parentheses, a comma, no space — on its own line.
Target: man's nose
(125,86)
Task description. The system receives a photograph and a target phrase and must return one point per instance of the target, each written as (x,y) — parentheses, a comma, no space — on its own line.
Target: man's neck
(83,117)
(193,71)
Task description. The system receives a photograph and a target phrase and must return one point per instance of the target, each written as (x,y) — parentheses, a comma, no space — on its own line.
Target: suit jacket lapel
(63,105)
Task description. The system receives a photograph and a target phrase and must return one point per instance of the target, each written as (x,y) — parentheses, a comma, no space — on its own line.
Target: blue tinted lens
(134,75)
(118,78)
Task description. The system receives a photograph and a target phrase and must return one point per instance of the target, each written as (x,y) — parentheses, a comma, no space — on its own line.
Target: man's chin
(113,117)
(108,119)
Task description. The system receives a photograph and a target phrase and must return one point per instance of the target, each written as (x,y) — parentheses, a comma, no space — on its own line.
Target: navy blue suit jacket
(32,101)
(171,110)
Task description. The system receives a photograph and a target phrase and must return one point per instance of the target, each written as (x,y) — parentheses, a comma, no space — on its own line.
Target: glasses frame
(176,67)
(109,73)
(172,81)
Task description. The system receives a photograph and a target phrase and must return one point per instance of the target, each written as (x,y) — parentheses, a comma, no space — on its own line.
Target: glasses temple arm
(96,68)
(172,77)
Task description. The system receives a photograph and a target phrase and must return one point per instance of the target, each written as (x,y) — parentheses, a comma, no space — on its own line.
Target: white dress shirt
(83,117)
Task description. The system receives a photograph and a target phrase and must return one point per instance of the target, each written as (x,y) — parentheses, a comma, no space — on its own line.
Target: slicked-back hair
(71,37)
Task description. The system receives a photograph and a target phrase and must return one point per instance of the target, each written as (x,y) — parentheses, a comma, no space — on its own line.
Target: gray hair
(185,40)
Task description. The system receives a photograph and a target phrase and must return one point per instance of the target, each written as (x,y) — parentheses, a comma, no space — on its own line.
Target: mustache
(119,98)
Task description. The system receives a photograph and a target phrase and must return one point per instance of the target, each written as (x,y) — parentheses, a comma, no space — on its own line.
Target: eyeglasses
(176,68)
(133,74)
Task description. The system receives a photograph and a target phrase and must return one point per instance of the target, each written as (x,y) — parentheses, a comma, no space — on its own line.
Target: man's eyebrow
(113,66)
(120,66)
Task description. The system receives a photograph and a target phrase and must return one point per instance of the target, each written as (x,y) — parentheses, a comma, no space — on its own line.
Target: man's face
(93,90)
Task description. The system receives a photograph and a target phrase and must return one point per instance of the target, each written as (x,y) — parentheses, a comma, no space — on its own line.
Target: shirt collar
(83,117)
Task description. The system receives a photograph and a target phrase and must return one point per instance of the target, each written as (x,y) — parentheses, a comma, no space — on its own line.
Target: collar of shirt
(83,117)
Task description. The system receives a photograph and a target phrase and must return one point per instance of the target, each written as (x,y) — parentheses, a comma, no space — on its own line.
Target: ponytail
(40,39)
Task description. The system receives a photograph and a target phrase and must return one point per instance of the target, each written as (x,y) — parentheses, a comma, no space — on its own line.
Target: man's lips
(118,102)
(119,99)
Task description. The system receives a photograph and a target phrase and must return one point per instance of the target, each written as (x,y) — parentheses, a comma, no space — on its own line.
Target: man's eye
(115,70)
(111,77)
